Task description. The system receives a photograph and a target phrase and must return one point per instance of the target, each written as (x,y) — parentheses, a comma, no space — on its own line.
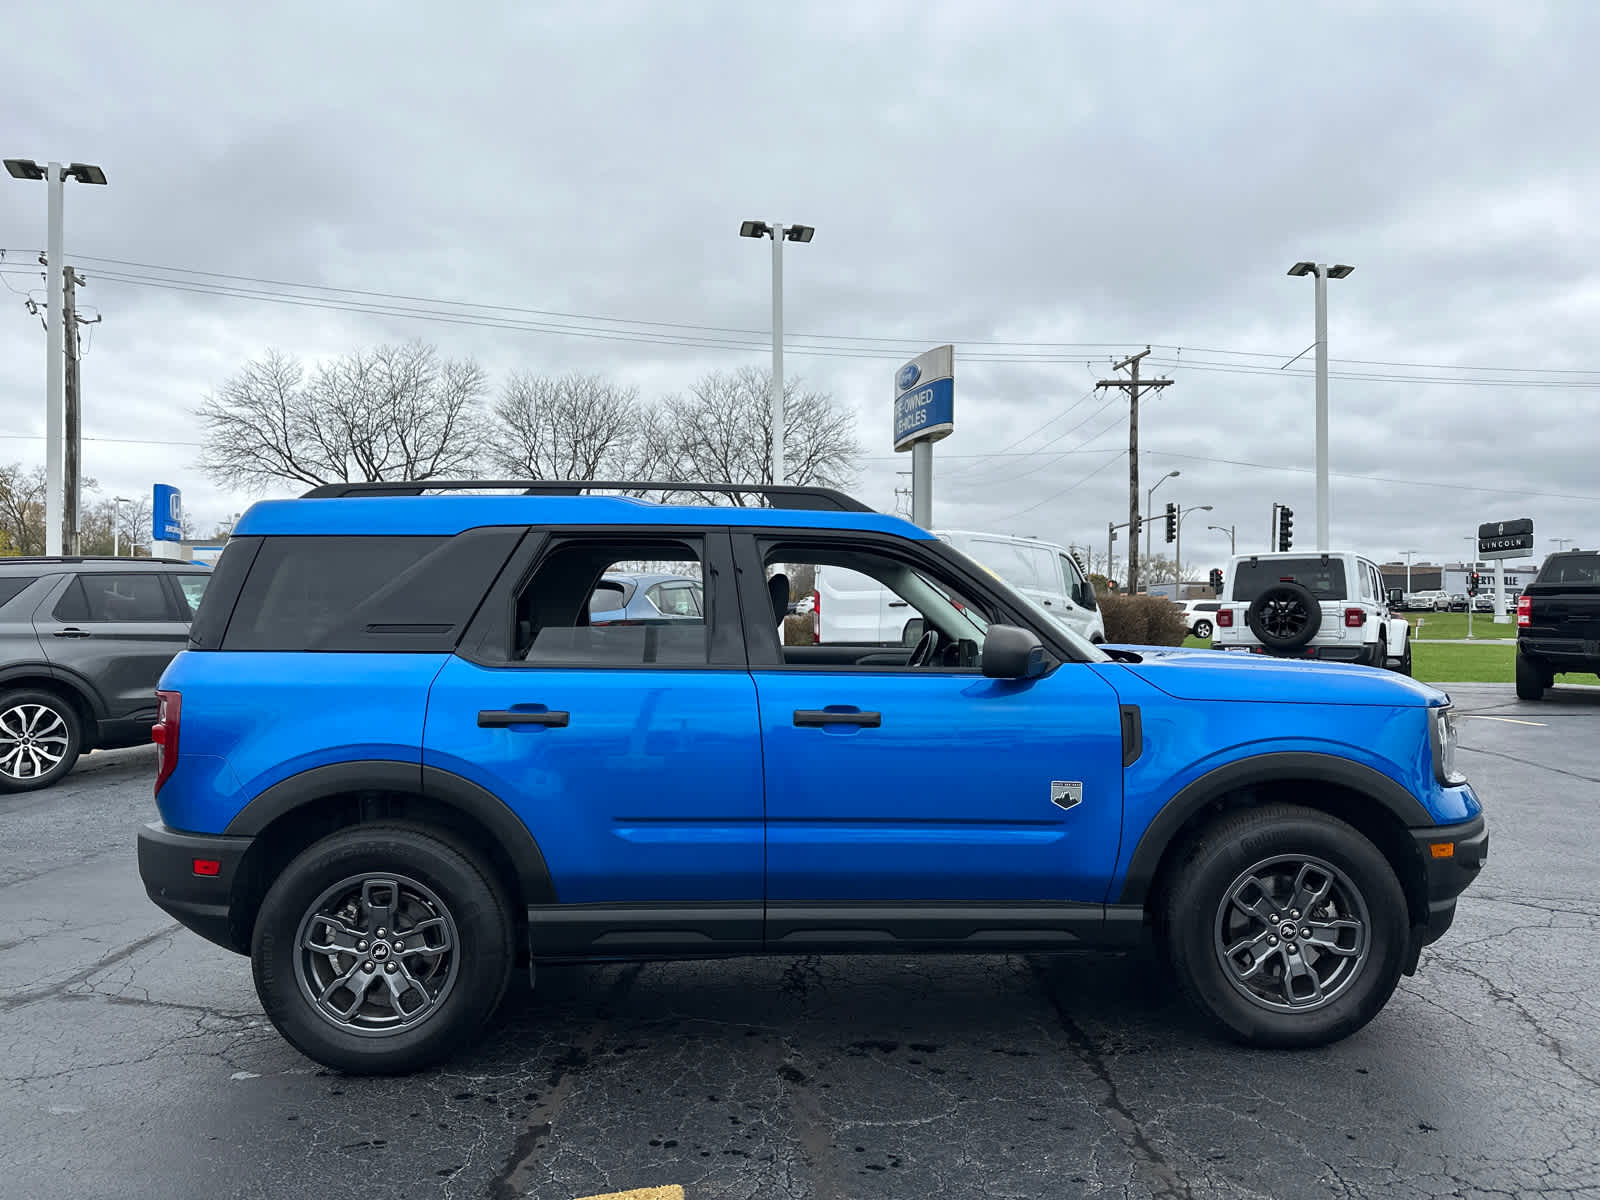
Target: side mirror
(1012,653)
(1085,597)
(912,633)
(1396,597)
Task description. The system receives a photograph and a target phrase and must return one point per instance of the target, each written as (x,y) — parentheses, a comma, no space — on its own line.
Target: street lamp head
(1339,271)
(1173,474)
(24,168)
(754,229)
(800,233)
(1303,268)
(1205,508)
(85,173)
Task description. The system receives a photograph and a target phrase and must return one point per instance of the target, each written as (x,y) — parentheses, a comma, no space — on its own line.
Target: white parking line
(1507,720)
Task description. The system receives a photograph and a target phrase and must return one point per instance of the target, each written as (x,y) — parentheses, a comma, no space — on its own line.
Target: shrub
(798,630)
(1142,620)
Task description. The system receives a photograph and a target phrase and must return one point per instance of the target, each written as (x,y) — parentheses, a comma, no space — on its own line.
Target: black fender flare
(1245,772)
(43,670)
(487,810)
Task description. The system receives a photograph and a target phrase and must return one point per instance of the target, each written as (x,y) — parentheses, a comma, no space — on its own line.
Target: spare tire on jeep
(1284,616)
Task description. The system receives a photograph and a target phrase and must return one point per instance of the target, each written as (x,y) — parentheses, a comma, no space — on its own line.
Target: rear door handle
(897,603)
(818,717)
(72,633)
(494,718)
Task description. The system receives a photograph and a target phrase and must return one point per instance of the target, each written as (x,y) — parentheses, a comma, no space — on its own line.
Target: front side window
(114,598)
(558,623)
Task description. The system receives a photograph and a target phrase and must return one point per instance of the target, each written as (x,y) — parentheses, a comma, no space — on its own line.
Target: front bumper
(1452,856)
(202,902)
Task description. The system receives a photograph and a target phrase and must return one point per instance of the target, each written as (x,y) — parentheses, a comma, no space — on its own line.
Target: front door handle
(819,717)
(493,718)
(70,632)
(898,603)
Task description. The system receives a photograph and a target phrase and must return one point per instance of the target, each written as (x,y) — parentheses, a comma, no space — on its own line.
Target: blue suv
(399,759)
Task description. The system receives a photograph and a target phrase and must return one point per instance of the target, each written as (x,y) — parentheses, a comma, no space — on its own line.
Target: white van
(851,608)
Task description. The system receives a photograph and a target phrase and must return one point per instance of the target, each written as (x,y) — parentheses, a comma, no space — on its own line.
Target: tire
(1202,629)
(1404,666)
(41,737)
(1284,616)
(356,877)
(1531,679)
(1276,1007)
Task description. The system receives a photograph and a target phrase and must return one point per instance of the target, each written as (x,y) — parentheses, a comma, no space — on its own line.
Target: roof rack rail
(83,558)
(789,496)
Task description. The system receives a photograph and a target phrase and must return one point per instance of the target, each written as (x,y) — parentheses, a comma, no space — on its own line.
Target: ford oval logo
(907,376)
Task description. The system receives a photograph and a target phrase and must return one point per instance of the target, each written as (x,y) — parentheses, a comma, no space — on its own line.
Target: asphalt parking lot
(136,1062)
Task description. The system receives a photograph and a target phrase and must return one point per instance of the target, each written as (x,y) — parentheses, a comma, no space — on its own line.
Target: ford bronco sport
(399,759)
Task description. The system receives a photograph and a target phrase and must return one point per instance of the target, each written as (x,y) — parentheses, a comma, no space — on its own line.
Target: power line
(889,346)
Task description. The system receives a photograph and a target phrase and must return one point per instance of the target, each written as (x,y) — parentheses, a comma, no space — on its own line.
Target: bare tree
(722,431)
(571,427)
(395,412)
(22,508)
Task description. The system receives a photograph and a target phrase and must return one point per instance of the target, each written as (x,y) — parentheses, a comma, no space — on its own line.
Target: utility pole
(72,462)
(1134,387)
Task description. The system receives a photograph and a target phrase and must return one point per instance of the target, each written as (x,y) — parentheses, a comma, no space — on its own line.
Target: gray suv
(82,643)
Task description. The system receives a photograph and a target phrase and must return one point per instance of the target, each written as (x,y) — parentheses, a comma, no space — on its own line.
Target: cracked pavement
(135,1061)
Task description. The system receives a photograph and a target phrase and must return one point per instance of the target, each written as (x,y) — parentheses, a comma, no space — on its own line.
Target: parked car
(1301,605)
(635,599)
(82,643)
(1483,603)
(480,776)
(1558,622)
(1458,602)
(1442,601)
(854,609)
(1200,616)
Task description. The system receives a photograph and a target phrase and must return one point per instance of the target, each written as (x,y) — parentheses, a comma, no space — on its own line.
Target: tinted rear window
(1325,580)
(373,594)
(1571,568)
(11,586)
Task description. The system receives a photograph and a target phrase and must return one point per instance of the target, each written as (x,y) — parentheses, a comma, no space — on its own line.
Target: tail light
(1224,618)
(1524,610)
(165,734)
(1355,618)
(816,616)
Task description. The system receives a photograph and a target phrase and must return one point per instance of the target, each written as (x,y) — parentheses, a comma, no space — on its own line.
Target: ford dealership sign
(924,398)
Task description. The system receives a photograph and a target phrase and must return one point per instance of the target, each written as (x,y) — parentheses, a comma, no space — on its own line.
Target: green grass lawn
(1489,663)
(1436,626)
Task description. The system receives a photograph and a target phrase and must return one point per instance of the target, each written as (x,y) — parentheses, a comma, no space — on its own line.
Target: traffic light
(1172,522)
(1285,527)
(1216,581)
(1474,582)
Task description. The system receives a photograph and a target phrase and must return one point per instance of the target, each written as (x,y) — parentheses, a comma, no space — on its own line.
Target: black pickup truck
(1558,622)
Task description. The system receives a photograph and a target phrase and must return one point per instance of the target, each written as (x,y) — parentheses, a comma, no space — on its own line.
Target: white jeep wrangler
(1303,604)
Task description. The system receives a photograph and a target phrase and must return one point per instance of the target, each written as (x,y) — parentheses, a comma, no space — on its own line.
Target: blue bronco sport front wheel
(382,949)
(1286,926)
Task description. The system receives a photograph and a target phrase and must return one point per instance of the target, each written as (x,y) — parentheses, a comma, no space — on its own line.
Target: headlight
(1442,733)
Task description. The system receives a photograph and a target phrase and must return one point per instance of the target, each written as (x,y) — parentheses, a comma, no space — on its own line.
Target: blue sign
(925,398)
(166,514)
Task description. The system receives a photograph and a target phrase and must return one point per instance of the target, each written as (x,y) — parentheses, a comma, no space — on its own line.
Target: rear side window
(373,594)
(12,586)
(112,599)
(1572,568)
(1324,580)
(193,587)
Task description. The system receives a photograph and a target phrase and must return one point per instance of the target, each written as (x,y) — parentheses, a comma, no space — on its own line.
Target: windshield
(1040,617)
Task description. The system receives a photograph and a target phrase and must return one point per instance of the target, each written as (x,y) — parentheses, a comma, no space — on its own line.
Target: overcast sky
(1048,186)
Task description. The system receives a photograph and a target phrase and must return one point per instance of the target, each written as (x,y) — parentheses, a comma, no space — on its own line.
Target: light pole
(1177,548)
(1147,503)
(116,524)
(1323,273)
(1408,554)
(779,234)
(55,176)
(1227,529)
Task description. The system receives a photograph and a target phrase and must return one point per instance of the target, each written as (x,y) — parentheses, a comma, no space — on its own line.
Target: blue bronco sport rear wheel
(382,949)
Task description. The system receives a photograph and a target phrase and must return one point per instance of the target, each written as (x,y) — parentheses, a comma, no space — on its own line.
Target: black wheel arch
(69,685)
(295,812)
(1378,807)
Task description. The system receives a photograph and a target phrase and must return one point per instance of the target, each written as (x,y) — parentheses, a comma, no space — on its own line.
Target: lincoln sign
(1506,539)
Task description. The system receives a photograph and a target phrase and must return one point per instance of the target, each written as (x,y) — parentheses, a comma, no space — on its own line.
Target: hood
(1232,675)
